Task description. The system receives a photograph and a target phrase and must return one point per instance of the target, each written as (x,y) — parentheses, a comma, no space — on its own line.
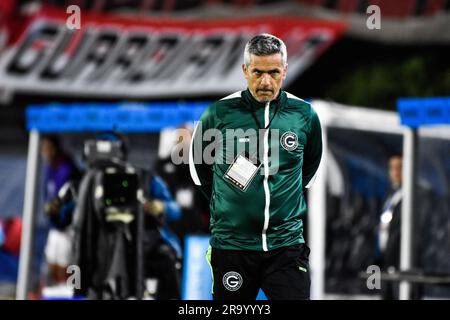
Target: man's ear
(244,69)
(285,71)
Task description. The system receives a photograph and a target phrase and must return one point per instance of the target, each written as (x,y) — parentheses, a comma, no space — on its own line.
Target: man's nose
(265,79)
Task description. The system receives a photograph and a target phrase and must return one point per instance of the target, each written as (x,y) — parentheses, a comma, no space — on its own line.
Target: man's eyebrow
(268,71)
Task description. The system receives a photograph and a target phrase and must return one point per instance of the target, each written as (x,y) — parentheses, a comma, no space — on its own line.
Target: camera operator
(163,253)
(121,207)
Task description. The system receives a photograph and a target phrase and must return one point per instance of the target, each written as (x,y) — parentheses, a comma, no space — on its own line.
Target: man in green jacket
(252,154)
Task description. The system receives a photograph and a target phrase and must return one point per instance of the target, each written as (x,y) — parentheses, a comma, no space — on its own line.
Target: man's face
(48,151)
(265,75)
(395,171)
(184,136)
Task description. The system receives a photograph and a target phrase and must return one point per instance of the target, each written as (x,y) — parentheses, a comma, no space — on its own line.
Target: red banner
(141,57)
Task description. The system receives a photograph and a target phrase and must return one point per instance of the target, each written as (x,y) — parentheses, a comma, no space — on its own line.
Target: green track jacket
(268,214)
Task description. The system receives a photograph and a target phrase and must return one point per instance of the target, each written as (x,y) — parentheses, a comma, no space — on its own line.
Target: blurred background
(152,66)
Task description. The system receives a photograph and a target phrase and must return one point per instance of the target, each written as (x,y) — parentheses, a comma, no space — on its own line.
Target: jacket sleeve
(160,191)
(64,217)
(313,151)
(200,167)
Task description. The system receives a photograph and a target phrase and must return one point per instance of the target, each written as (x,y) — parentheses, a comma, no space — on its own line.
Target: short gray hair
(264,45)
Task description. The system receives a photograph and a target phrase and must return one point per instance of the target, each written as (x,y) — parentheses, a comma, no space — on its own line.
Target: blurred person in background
(389,230)
(256,215)
(389,227)
(163,259)
(10,235)
(59,169)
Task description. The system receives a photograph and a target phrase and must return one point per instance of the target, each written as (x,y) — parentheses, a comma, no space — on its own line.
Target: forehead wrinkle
(274,60)
(265,67)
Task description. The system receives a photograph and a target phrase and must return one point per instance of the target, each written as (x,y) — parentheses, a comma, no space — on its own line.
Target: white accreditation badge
(241,172)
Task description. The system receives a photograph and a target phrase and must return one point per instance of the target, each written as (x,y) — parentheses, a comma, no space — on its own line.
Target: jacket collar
(255,104)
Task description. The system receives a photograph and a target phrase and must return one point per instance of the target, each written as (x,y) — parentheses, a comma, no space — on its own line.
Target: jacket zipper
(266,176)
